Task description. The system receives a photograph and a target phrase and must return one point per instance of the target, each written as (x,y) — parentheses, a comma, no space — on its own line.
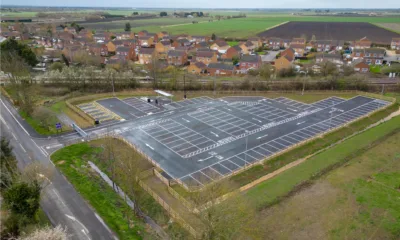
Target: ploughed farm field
(234,28)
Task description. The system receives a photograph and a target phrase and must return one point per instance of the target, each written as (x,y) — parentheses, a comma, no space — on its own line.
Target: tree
(45,116)
(348,70)
(265,71)
(23,198)
(13,47)
(213,37)
(163,14)
(47,233)
(328,68)
(127,27)
(235,60)
(313,38)
(135,13)
(8,165)
(56,66)
(230,219)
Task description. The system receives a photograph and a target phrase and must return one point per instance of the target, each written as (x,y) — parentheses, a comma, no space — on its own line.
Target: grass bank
(272,190)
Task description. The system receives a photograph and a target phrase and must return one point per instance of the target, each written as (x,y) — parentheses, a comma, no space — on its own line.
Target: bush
(56,66)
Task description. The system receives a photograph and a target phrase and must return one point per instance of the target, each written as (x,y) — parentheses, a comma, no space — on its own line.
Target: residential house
(201,45)
(197,68)
(146,55)
(183,48)
(125,35)
(256,41)
(177,58)
(363,43)
(220,69)
(85,34)
(162,34)
(102,37)
(126,52)
(374,56)
(326,57)
(142,33)
(360,66)
(206,57)
(220,46)
(275,43)
(70,30)
(199,39)
(395,44)
(357,53)
(145,41)
(247,47)
(322,45)
(66,36)
(119,43)
(285,60)
(299,48)
(154,36)
(163,46)
(298,41)
(232,52)
(111,47)
(182,42)
(98,49)
(248,62)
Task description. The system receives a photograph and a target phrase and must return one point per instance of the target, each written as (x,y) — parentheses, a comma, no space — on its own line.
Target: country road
(60,201)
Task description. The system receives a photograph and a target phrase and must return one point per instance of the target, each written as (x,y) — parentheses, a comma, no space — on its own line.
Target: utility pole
(184,86)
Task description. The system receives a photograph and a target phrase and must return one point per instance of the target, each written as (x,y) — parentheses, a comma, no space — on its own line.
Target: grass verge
(269,192)
(71,161)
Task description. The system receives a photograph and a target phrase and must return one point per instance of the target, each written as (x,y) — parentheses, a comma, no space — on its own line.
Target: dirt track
(332,31)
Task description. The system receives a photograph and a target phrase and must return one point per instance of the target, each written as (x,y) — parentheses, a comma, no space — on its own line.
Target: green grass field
(267,192)
(356,201)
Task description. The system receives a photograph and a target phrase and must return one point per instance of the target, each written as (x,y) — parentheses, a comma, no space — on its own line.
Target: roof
(147,51)
(208,54)
(297,45)
(375,50)
(202,44)
(118,42)
(199,64)
(253,39)
(198,37)
(275,39)
(358,61)
(144,37)
(175,53)
(237,48)
(165,43)
(327,55)
(250,58)
(183,40)
(163,93)
(249,44)
(395,39)
(122,49)
(204,49)
(221,66)
(221,43)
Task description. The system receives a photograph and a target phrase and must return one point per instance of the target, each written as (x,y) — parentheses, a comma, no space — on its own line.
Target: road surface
(60,201)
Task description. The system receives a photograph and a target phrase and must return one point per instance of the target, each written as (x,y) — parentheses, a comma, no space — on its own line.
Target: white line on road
(185,120)
(76,220)
(214,134)
(14,136)
(257,120)
(229,109)
(149,146)
(54,146)
(262,136)
(40,148)
(300,122)
(15,118)
(1,118)
(292,109)
(59,198)
(104,224)
(23,149)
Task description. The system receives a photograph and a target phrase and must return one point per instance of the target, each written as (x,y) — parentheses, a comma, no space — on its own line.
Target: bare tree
(45,116)
(47,233)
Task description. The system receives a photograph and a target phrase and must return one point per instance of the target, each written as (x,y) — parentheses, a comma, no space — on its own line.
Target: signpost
(58,126)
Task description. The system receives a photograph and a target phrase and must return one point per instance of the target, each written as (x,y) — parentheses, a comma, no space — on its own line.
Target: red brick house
(199,39)
(374,56)
(197,68)
(275,43)
(177,58)
(395,44)
(220,69)
(232,52)
(142,33)
(363,43)
(248,62)
(125,35)
(146,55)
(360,66)
(98,49)
(126,52)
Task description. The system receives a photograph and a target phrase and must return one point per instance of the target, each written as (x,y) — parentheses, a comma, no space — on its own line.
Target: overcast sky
(213,3)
